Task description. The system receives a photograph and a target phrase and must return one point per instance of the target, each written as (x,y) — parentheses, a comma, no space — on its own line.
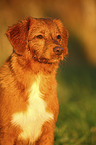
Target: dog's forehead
(44,24)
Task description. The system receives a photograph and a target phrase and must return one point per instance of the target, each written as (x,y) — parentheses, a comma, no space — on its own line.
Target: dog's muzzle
(58,50)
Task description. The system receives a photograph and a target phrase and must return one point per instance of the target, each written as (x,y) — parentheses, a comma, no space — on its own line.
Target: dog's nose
(58,50)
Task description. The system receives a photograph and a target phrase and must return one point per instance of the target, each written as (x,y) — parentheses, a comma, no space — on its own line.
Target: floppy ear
(64,34)
(18,35)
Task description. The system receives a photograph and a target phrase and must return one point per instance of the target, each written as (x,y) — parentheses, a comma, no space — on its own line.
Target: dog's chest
(32,120)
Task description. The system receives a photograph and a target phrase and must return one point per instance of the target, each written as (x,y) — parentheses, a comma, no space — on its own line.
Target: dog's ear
(18,35)
(64,34)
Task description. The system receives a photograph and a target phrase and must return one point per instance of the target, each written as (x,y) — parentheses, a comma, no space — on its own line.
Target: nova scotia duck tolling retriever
(28,97)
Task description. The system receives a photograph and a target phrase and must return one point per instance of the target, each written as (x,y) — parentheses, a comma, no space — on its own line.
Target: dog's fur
(28,99)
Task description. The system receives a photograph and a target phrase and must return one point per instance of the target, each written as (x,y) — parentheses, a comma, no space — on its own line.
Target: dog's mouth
(49,61)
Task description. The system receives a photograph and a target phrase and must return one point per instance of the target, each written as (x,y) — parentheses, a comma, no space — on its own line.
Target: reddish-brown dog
(28,98)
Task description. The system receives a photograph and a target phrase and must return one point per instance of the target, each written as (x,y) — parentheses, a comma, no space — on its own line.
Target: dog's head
(45,39)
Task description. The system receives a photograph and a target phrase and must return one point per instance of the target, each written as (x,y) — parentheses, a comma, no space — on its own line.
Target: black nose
(58,50)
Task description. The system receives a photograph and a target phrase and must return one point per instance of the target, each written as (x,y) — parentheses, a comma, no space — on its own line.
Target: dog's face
(45,39)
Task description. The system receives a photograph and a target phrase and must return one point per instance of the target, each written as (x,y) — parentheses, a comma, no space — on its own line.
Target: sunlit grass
(77,98)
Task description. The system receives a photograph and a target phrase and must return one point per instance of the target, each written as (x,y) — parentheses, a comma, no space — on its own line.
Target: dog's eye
(58,36)
(40,36)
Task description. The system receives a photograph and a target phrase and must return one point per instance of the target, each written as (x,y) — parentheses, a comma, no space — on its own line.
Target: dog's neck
(26,70)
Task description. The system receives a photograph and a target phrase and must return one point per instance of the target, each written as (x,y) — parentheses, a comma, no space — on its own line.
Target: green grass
(77,114)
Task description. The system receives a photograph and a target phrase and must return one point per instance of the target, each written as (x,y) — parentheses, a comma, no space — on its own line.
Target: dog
(28,97)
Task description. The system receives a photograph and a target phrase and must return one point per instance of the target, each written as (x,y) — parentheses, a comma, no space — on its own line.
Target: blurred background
(77,74)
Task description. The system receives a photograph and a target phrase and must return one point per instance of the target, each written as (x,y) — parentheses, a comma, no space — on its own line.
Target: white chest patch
(32,120)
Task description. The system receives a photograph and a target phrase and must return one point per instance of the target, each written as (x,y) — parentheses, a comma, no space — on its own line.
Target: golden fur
(28,98)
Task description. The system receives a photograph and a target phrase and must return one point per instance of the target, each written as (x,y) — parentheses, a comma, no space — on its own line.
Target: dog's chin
(54,60)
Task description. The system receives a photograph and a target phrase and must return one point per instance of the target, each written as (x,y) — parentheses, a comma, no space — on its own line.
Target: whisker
(66,59)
